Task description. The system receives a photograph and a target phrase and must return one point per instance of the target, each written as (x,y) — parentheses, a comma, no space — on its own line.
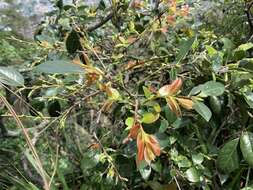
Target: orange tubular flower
(173,105)
(148,147)
(185,103)
(171,89)
(134,131)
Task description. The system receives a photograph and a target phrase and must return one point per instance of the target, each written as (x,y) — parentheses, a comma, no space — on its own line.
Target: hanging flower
(185,103)
(148,147)
(173,105)
(134,131)
(170,91)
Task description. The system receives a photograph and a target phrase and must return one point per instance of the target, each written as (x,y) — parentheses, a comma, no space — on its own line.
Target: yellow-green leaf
(129,122)
(149,118)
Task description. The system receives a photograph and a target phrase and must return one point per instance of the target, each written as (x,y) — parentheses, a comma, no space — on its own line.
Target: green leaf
(73,42)
(196,90)
(217,62)
(228,159)
(215,104)
(145,170)
(211,51)
(245,47)
(227,44)
(184,48)
(202,109)
(212,88)
(59,67)
(197,158)
(115,95)
(246,63)
(192,175)
(169,115)
(11,77)
(32,161)
(90,160)
(149,118)
(164,125)
(247,188)
(157,107)
(246,145)
(147,92)
(183,162)
(249,98)
(129,122)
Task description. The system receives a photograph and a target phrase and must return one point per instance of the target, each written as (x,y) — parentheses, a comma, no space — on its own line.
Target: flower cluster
(170,92)
(147,145)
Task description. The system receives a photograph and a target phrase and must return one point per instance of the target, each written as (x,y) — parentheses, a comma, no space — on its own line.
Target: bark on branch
(100,23)
(248,7)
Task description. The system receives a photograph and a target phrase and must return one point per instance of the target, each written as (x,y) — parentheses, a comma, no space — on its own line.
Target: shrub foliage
(131,95)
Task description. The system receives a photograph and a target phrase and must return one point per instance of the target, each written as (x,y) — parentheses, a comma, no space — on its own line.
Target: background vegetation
(128,94)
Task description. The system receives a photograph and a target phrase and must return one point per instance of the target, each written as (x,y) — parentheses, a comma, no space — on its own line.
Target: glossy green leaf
(210,50)
(183,162)
(249,98)
(246,63)
(245,47)
(197,158)
(157,107)
(145,170)
(215,104)
(228,159)
(129,122)
(147,92)
(246,145)
(169,115)
(212,88)
(192,175)
(164,125)
(202,109)
(11,77)
(73,42)
(59,67)
(149,118)
(196,90)
(184,48)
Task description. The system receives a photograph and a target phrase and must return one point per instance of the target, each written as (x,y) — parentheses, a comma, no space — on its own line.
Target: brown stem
(249,16)
(104,20)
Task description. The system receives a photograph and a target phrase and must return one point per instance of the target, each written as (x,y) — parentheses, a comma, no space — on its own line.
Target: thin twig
(104,20)
(56,165)
(178,186)
(29,142)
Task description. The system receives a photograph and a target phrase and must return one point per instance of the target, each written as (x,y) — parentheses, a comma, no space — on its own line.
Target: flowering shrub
(135,96)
